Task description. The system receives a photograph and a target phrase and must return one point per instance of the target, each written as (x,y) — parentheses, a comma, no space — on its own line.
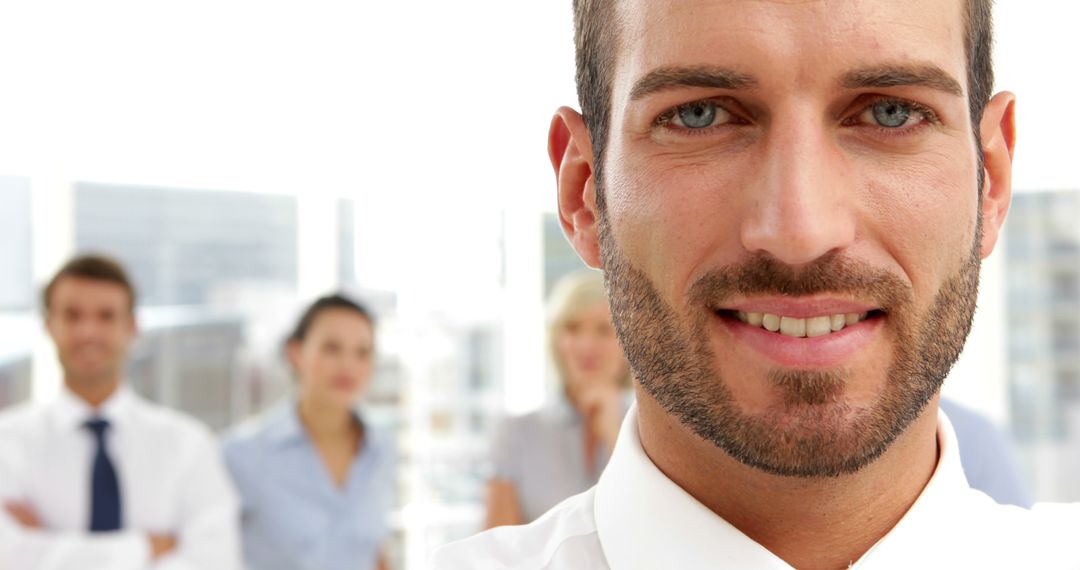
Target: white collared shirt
(637,518)
(172,481)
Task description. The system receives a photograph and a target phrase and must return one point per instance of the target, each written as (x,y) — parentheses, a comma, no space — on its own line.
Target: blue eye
(697,115)
(891,114)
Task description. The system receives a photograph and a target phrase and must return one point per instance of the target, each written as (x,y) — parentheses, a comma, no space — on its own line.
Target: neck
(575,401)
(96,392)
(823,523)
(326,421)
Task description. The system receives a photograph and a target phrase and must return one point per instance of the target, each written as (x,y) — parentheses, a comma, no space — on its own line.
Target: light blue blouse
(294,516)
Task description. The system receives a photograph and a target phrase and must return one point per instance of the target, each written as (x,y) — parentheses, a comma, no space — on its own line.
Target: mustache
(89,344)
(833,273)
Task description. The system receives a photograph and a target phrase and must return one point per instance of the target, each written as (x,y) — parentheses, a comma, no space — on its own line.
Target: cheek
(362,368)
(565,346)
(120,336)
(314,368)
(923,218)
(673,216)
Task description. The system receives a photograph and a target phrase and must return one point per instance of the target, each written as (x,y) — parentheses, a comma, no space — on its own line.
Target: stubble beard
(812,431)
(92,379)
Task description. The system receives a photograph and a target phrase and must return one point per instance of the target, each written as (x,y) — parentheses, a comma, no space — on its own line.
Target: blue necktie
(104,486)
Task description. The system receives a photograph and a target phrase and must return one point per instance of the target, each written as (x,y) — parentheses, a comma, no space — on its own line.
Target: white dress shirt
(637,518)
(172,481)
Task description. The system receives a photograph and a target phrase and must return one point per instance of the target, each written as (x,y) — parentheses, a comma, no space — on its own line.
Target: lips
(796,333)
(344,383)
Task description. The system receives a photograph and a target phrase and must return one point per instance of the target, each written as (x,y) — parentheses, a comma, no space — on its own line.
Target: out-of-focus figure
(986,456)
(544,457)
(98,477)
(316,480)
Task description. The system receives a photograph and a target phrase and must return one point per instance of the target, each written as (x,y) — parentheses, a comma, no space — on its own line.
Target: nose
(87,329)
(801,199)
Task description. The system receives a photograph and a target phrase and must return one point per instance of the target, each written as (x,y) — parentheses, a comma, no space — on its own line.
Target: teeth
(791,326)
(837,322)
(818,326)
(770,322)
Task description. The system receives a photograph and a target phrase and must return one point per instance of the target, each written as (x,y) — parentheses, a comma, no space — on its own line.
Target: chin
(91,375)
(348,400)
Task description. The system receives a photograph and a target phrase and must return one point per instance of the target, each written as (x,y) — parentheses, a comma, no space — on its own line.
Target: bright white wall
(1037,45)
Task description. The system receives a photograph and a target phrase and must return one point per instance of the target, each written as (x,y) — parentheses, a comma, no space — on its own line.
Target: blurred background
(242,158)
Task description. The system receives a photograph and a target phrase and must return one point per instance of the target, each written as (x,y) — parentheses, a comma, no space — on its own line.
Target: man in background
(99,478)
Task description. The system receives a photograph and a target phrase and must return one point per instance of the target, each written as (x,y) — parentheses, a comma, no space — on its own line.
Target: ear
(292,353)
(133,325)
(49,324)
(998,131)
(570,151)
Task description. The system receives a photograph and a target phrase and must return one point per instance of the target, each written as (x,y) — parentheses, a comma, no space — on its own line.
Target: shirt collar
(70,412)
(286,428)
(644,520)
(939,511)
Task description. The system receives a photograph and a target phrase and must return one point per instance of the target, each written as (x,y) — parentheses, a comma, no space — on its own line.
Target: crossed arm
(207,537)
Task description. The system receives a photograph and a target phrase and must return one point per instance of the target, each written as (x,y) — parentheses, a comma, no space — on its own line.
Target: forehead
(338,322)
(81,291)
(788,44)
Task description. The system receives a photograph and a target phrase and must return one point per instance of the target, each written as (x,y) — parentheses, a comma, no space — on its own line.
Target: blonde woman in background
(546,456)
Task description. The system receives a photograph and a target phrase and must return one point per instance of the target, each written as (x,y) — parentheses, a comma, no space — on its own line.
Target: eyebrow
(924,75)
(892,75)
(666,78)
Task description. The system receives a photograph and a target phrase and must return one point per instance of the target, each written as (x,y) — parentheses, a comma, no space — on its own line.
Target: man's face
(803,165)
(91,323)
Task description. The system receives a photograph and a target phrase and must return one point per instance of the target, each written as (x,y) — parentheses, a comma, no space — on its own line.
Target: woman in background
(546,456)
(316,481)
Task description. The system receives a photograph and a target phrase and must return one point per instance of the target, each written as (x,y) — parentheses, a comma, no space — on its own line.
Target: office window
(1043,281)
(560,258)
(16,282)
(189,247)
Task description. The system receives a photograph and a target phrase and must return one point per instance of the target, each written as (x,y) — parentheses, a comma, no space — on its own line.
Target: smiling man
(98,478)
(790,202)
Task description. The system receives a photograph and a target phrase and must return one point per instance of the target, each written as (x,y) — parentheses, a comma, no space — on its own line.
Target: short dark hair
(596,43)
(322,304)
(97,267)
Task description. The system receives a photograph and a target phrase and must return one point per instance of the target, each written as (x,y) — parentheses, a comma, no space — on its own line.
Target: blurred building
(183,247)
(1043,288)
(187,360)
(17,295)
(17,334)
(15,373)
(16,285)
(559,257)
(454,400)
